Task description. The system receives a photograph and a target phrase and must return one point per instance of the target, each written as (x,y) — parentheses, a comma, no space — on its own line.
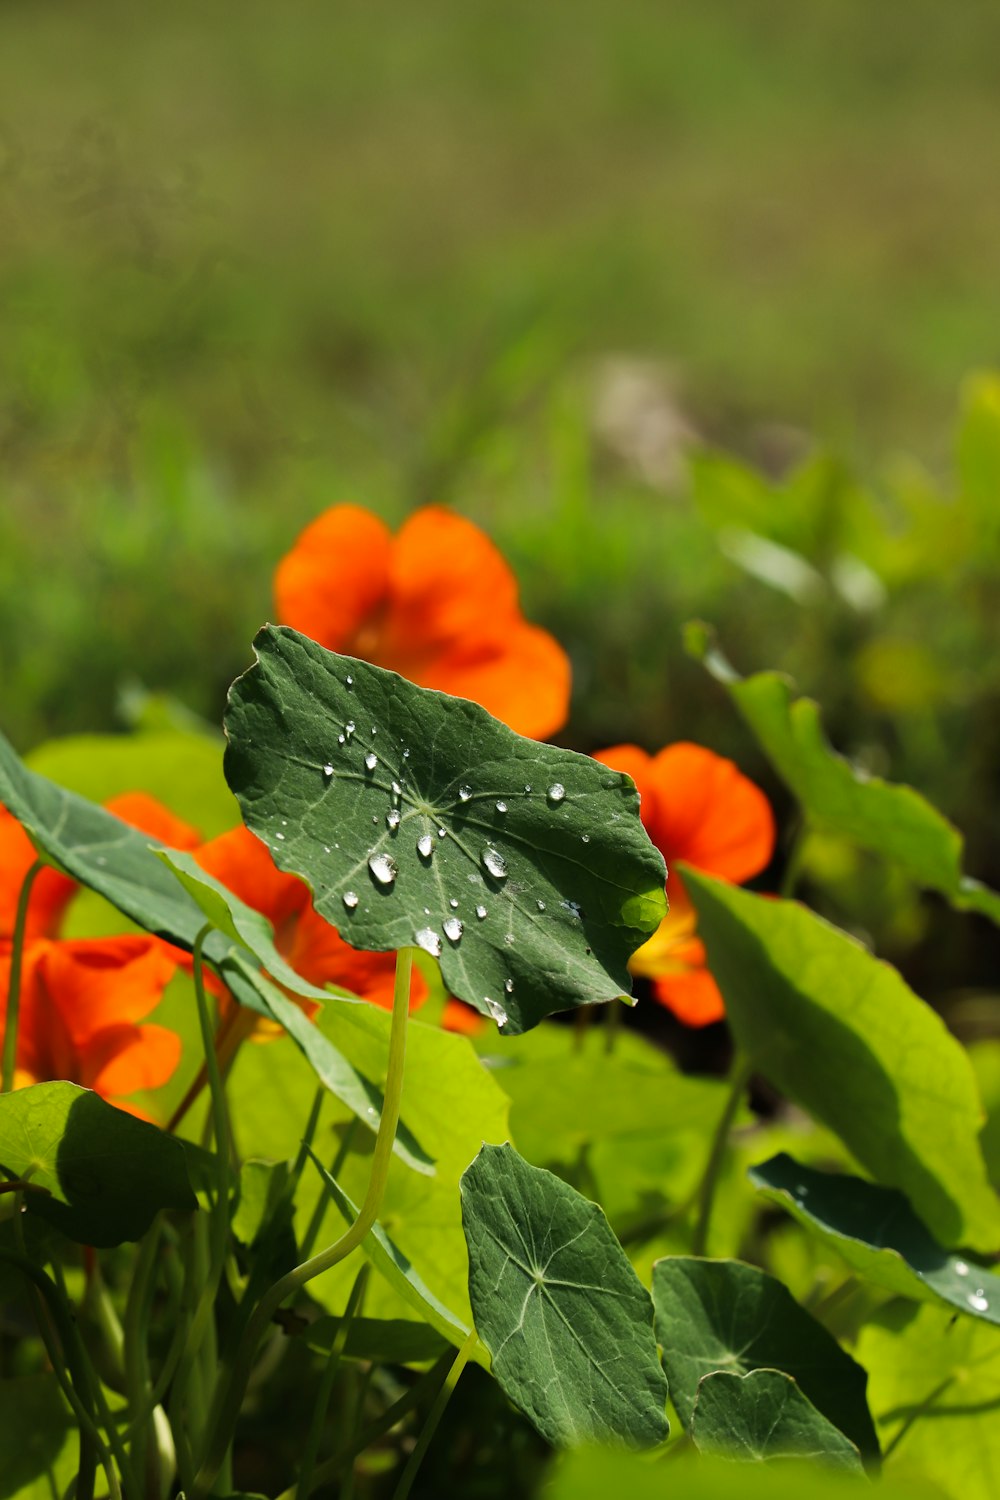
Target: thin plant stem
(612,1026)
(434,1416)
(233,1380)
(13,1011)
(793,864)
(323,1202)
(915,1415)
(314,1437)
(738,1079)
(136,1359)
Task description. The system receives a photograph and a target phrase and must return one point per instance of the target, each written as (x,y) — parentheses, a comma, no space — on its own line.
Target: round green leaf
(764,1416)
(420,820)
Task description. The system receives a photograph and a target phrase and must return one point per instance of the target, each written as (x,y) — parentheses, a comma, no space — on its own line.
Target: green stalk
(13,1013)
(738,1079)
(314,1437)
(136,1358)
(323,1202)
(434,1416)
(233,1382)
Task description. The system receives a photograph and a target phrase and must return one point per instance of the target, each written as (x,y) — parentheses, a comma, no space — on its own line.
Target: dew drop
(406,754)
(428,939)
(496,1010)
(280,836)
(397,790)
(349,728)
(349,681)
(961,1269)
(383,867)
(978,1300)
(494,863)
(540,905)
(508,985)
(527,787)
(464,793)
(586,838)
(374,730)
(571,906)
(501,807)
(453,903)
(453,927)
(442,833)
(508,938)
(481,912)
(371,761)
(328,770)
(392,818)
(556,792)
(425,846)
(350,899)
(340,739)
(326,848)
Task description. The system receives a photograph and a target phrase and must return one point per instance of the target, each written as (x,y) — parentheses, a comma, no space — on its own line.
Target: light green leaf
(879,1236)
(840,1032)
(263,1185)
(763,1416)
(401,1275)
(889,819)
(533,899)
(565,1318)
(183,770)
(934,1388)
(724,1315)
(106,1173)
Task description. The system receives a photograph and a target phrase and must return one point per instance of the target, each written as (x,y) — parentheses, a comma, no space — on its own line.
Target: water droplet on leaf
(508,985)
(428,939)
(501,807)
(350,899)
(425,846)
(371,761)
(328,770)
(453,928)
(496,1010)
(481,912)
(464,793)
(556,792)
(494,863)
(383,867)
(392,818)
(978,1300)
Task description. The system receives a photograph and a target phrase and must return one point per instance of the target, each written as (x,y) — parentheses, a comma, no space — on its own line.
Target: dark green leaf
(567,1322)
(891,820)
(384,1341)
(764,1416)
(567,881)
(106,1172)
(724,1315)
(879,1236)
(840,1032)
(263,1189)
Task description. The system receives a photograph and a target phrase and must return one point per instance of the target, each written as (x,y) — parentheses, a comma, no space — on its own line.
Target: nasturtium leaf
(263,1186)
(934,1387)
(841,1032)
(107,1173)
(181,768)
(383,1341)
(763,1416)
(38,1439)
(724,1315)
(890,819)
(877,1233)
(418,819)
(391,1263)
(567,1322)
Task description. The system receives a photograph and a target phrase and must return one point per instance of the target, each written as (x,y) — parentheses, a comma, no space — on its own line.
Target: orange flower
(311,945)
(699,808)
(436,603)
(80,1002)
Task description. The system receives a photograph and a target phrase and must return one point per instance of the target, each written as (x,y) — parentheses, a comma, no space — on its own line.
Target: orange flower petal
(243,863)
(322,956)
(437,603)
(457,1016)
(99,982)
(694,997)
(126,1059)
(50,893)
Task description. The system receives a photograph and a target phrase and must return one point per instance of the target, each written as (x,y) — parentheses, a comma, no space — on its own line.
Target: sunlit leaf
(725,1315)
(763,1416)
(565,1318)
(877,1233)
(106,1173)
(523,867)
(842,1033)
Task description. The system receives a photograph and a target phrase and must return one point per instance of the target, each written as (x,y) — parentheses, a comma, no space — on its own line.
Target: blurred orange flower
(436,603)
(311,945)
(697,807)
(81,1000)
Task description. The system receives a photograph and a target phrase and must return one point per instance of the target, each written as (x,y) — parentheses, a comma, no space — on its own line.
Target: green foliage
(99,1175)
(722,1315)
(567,1323)
(539,887)
(763,1416)
(840,1032)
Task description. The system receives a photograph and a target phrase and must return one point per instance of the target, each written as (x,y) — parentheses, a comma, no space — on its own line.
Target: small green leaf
(723,1315)
(889,819)
(934,1387)
(842,1033)
(106,1172)
(383,1341)
(523,867)
(565,1318)
(402,1276)
(263,1185)
(880,1236)
(763,1416)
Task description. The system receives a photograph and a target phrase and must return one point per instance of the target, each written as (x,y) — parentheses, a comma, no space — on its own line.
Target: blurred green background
(546,264)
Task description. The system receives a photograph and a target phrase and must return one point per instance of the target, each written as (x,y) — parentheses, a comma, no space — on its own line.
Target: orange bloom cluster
(699,808)
(436,603)
(82,999)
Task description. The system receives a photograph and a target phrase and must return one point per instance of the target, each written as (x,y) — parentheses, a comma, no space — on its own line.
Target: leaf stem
(233,1380)
(739,1077)
(915,1415)
(13,1012)
(434,1416)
